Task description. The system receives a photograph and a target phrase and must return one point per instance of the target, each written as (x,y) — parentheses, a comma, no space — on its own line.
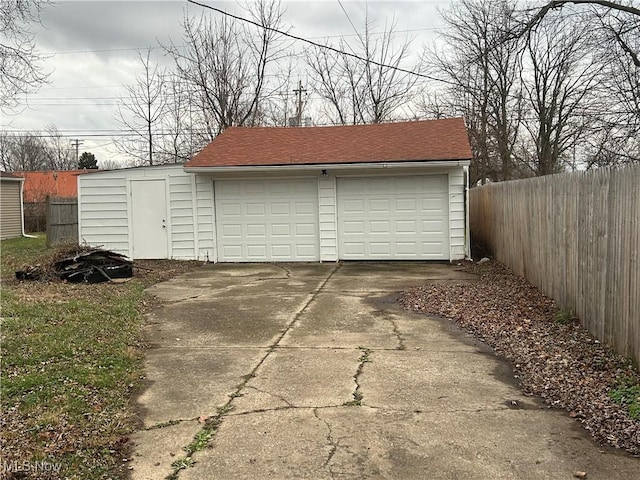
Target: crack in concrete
(372,407)
(397,333)
(333,445)
(279,397)
(169,423)
(357,393)
(212,425)
(285,269)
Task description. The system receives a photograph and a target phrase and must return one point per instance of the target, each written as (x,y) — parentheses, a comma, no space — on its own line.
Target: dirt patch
(552,355)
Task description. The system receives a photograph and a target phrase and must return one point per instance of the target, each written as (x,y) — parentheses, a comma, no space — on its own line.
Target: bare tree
(181,134)
(60,155)
(624,8)
(364,91)
(481,74)
(225,65)
(109,164)
(23,152)
(20,69)
(142,109)
(560,80)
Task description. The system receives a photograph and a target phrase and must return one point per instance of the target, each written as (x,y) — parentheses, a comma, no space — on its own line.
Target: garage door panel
(281,251)
(393,218)
(256,230)
(406,226)
(232,209)
(306,230)
(306,208)
(265,220)
(304,251)
(433,204)
(280,230)
(379,226)
(406,248)
(256,251)
(255,209)
(406,205)
(380,248)
(378,205)
(281,208)
(233,252)
(353,205)
(431,247)
(429,226)
(232,230)
(354,248)
(353,227)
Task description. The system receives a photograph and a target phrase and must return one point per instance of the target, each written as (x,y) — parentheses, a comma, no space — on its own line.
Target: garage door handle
(163,223)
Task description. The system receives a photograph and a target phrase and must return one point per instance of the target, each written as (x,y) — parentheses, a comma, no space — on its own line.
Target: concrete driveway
(311,371)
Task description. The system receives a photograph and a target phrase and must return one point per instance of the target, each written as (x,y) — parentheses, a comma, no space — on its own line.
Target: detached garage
(393,191)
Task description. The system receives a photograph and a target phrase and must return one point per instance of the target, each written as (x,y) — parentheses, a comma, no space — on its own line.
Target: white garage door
(401,218)
(267,220)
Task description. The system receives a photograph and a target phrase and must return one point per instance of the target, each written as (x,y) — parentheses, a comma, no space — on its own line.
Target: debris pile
(93,265)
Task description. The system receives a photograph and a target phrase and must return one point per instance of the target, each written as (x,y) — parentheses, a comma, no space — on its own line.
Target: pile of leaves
(552,355)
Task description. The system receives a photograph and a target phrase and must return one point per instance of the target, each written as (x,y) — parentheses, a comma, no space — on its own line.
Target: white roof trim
(328,166)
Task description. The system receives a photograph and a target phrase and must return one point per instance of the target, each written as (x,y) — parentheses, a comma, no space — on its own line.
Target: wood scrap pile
(93,265)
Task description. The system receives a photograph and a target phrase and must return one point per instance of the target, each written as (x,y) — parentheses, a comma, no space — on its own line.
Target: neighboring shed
(368,192)
(11,206)
(38,186)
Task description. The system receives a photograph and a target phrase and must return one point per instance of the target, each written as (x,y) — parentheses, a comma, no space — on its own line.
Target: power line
(315,44)
(134,49)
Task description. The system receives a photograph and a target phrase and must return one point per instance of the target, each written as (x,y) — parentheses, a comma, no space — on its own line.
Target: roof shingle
(428,140)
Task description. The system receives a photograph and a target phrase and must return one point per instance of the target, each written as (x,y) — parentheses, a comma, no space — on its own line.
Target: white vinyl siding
(103,211)
(10,208)
(205,218)
(104,208)
(182,218)
(457,222)
(327,214)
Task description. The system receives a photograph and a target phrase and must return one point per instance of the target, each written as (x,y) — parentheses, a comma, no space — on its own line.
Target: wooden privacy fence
(575,236)
(62,220)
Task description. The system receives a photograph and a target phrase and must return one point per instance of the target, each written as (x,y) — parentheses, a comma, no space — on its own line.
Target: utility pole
(299,91)
(76,143)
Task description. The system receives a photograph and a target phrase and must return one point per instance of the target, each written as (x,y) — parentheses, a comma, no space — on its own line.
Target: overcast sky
(92,52)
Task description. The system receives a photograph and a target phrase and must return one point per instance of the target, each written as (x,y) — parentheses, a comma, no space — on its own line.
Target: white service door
(267,220)
(149,219)
(393,218)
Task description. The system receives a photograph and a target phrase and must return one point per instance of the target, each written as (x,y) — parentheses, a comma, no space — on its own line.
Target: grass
(628,393)
(564,316)
(71,363)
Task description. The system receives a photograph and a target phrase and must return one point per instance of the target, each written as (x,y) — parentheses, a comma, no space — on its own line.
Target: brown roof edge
(425,140)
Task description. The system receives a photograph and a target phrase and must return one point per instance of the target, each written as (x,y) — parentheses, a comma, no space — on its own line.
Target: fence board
(62,220)
(576,236)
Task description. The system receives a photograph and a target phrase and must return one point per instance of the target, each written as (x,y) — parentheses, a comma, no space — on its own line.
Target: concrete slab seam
(207,433)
